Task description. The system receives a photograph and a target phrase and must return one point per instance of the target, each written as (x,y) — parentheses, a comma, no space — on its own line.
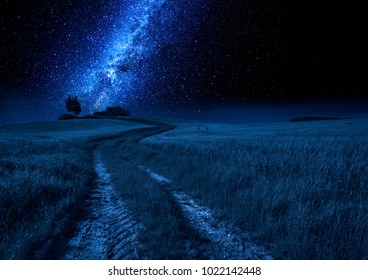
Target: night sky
(166,55)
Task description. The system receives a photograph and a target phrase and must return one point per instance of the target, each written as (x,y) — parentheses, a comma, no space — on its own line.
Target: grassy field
(78,129)
(45,168)
(301,188)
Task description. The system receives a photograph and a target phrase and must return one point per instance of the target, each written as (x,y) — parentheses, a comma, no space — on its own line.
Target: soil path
(104,228)
(225,240)
(107,230)
(100,227)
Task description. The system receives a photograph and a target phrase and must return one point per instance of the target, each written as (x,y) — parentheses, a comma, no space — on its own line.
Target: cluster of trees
(112,112)
(73,106)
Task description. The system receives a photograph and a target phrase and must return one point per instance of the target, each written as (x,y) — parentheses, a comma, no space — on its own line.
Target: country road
(104,227)
(127,188)
(107,230)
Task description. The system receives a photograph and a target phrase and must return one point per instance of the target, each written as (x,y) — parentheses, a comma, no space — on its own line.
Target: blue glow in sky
(119,73)
(175,55)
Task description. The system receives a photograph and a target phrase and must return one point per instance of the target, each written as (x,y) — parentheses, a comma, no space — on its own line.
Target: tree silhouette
(69,104)
(72,105)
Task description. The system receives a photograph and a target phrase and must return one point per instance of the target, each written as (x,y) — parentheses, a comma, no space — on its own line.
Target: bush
(66,117)
(113,112)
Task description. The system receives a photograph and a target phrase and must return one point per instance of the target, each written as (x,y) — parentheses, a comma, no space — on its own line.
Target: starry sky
(165,55)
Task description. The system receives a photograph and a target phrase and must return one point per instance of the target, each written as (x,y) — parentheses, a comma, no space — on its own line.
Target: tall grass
(39,181)
(162,231)
(302,190)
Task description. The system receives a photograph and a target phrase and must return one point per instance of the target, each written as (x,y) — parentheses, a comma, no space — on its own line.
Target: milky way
(137,54)
(167,55)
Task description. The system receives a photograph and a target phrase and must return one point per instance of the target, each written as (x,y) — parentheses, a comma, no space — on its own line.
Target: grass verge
(40,180)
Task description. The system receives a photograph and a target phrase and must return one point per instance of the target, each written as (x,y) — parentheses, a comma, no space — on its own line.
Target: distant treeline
(306,119)
(110,112)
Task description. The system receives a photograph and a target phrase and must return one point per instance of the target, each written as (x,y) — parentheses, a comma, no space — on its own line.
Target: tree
(77,109)
(69,104)
(72,105)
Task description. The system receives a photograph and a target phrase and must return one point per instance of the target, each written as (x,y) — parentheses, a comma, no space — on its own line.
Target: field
(45,169)
(300,188)
(297,190)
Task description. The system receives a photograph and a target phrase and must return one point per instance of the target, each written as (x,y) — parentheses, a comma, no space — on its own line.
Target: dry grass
(45,168)
(302,188)
(40,180)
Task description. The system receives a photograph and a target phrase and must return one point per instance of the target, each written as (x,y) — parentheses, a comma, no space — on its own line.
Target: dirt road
(104,227)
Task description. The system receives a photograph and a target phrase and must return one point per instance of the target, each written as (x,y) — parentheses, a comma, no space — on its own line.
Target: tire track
(226,241)
(100,226)
(106,231)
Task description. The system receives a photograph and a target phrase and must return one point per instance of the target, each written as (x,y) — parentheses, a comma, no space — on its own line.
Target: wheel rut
(225,240)
(106,230)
